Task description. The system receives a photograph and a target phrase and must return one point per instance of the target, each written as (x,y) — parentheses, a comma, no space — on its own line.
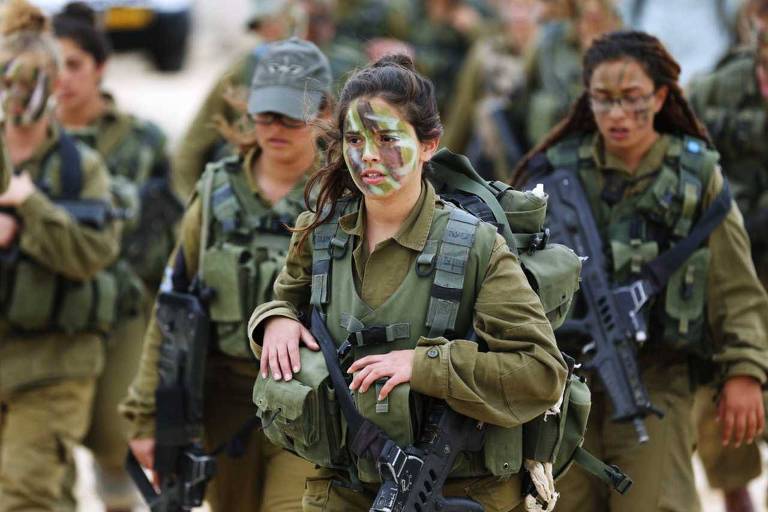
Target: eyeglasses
(602,105)
(267,118)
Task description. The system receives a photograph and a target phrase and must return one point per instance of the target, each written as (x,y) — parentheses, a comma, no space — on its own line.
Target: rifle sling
(610,475)
(660,270)
(366,439)
(139,477)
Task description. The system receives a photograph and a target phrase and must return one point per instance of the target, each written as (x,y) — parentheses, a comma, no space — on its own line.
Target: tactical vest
(243,247)
(637,228)
(35,299)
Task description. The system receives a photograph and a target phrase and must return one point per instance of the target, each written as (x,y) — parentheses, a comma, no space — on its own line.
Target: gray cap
(290,78)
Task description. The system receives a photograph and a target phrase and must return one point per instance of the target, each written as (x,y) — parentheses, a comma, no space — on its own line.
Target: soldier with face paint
(57,302)
(375,196)
(649,171)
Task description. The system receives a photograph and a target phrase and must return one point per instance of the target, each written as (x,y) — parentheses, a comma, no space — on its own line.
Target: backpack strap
(71,176)
(692,160)
(611,475)
(450,267)
(328,242)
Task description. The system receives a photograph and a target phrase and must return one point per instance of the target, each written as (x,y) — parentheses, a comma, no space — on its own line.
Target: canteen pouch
(229,272)
(553,272)
(525,211)
(685,305)
(302,415)
(577,403)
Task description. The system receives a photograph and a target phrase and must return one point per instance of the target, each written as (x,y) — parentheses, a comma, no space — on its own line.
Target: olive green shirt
(520,376)
(54,239)
(139,405)
(737,305)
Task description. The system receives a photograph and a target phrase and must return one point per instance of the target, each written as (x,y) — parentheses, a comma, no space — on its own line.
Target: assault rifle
(613,322)
(180,461)
(412,477)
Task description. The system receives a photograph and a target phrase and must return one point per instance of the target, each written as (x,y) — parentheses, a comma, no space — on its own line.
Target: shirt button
(433,353)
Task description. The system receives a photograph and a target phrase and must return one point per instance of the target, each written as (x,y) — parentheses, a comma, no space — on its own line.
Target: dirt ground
(170,100)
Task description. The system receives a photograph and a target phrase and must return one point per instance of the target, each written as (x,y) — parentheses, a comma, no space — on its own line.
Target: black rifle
(412,478)
(614,322)
(180,461)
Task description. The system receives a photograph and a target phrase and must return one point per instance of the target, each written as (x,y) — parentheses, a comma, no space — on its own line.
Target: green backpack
(555,438)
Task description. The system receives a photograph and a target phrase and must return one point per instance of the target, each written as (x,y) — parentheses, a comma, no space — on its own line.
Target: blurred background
(490,59)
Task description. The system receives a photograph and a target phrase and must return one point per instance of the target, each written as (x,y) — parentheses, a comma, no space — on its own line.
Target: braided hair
(675,117)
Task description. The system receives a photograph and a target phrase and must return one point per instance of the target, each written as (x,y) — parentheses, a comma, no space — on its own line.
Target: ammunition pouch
(302,415)
(57,304)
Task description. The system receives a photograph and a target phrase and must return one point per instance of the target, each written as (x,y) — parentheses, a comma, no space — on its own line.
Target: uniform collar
(413,233)
(650,163)
(296,192)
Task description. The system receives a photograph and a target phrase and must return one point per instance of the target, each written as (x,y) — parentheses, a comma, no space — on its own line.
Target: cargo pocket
(554,273)
(32,311)
(229,272)
(684,305)
(300,415)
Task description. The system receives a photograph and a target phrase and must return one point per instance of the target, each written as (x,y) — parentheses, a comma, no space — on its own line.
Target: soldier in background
(57,301)
(134,151)
(732,102)
(487,117)
(555,67)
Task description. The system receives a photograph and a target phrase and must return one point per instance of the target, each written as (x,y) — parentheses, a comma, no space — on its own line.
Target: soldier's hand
(9,227)
(396,366)
(280,347)
(740,411)
(19,189)
(144,451)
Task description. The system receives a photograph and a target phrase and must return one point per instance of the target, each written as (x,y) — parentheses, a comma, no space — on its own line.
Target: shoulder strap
(328,242)
(206,190)
(660,270)
(71,175)
(448,283)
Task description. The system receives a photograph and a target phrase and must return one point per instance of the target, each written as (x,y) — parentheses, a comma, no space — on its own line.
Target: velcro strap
(690,191)
(360,335)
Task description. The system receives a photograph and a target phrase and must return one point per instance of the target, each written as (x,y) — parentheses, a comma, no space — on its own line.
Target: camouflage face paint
(24,91)
(380,147)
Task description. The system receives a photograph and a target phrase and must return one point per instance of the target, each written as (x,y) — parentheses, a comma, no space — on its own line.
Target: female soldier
(386,130)
(646,164)
(234,239)
(135,155)
(56,303)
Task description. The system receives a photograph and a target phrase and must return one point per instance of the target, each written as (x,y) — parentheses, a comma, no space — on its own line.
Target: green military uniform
(729,102)
(49,362)
(520,377)
(715,291)
(490,90)
(554,78)
(243,246)
(134,151)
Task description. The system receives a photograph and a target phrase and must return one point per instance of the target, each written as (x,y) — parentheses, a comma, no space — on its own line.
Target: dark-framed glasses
(603,104)
(267,118)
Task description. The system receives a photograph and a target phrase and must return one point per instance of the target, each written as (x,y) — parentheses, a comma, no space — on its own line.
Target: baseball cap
(290,78)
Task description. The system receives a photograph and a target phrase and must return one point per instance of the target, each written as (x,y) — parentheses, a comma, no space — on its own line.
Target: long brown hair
(675,117)
(394,79)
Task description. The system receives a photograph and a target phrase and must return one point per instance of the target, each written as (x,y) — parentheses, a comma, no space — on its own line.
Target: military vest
(453,261)
(244,243)
(134,153)
(35,299)
(659,211)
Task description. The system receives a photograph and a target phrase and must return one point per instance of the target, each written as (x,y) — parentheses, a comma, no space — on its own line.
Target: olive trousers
(107,435)
(727,468)
(264,478)
(39,427)
(326,493)
(661,469)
